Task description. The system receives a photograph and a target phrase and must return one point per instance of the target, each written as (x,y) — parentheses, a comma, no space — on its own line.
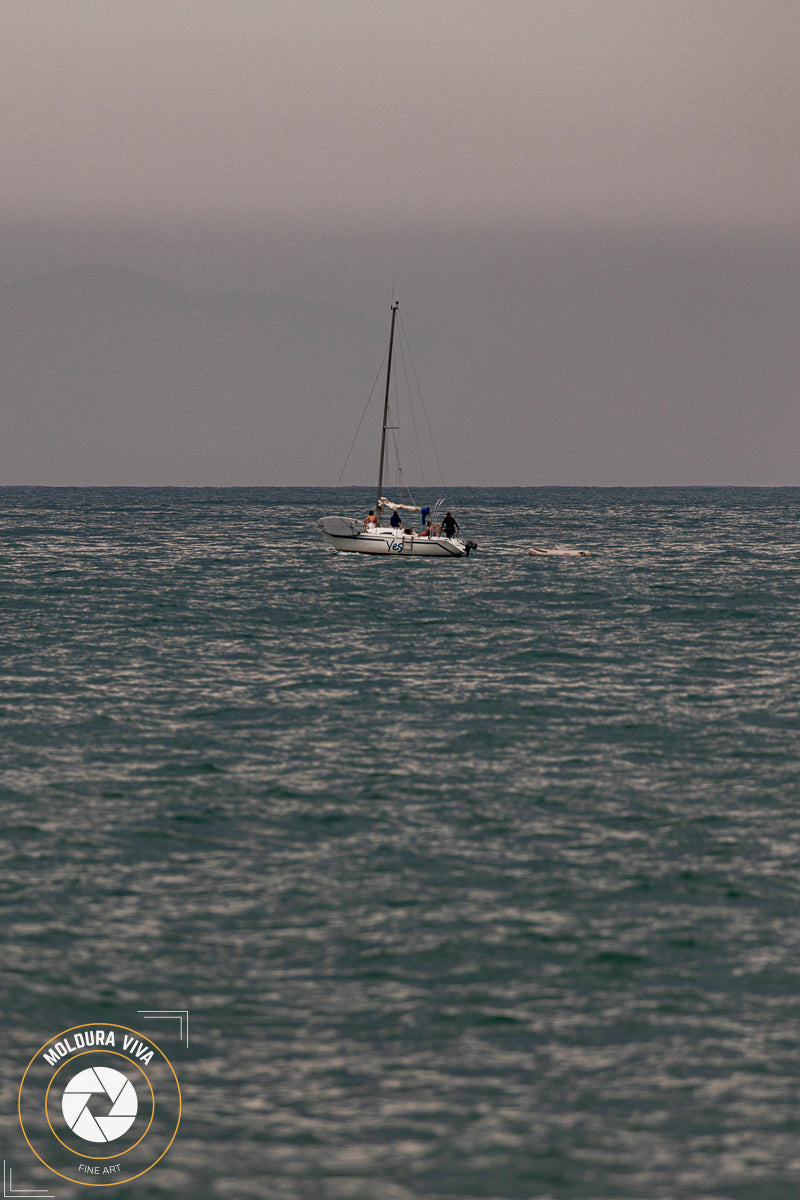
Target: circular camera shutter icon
(114,1112)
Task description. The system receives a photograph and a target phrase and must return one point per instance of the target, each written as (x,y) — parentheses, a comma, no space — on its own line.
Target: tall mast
(385,415)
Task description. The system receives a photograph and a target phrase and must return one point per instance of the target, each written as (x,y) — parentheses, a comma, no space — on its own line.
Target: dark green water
(477,878)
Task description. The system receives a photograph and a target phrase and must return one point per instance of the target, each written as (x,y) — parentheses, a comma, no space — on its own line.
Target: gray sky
(617,170)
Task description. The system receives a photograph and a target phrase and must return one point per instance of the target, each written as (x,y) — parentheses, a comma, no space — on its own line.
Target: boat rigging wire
(404,341)
(404,353)
(361,422)
(406,360)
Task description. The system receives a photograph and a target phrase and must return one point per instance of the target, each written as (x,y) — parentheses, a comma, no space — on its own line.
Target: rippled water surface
(477,878)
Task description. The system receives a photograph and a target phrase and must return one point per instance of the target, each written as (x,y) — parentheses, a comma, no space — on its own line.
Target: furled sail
(384,503)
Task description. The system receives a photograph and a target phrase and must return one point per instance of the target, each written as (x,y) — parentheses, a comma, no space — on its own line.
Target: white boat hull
(347,535)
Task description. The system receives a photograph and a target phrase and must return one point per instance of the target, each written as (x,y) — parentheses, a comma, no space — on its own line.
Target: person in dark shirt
(395,521)
(449,524)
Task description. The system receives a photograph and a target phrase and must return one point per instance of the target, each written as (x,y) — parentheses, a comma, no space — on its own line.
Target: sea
(469,879)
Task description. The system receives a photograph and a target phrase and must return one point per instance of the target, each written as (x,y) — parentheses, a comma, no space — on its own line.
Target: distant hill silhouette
(557,356)
(109,375)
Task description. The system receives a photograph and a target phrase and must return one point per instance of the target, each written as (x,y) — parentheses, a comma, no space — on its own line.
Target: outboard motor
(470,546)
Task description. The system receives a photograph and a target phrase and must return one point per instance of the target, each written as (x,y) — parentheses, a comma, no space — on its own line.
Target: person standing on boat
(449,525)
(370,519)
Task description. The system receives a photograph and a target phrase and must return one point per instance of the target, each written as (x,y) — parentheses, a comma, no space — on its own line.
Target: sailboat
(384,531)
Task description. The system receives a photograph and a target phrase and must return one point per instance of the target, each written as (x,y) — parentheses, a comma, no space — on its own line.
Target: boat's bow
(338,527)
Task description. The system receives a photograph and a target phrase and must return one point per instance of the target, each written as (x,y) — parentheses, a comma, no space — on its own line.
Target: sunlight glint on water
(478,878)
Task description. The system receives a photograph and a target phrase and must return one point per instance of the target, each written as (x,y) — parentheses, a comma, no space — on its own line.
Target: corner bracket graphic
(23,1193)
(181,1015)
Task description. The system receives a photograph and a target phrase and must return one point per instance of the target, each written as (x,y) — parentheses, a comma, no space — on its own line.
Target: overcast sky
(335,150)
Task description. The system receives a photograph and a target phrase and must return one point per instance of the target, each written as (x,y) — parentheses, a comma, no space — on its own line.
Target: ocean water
(476,878)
